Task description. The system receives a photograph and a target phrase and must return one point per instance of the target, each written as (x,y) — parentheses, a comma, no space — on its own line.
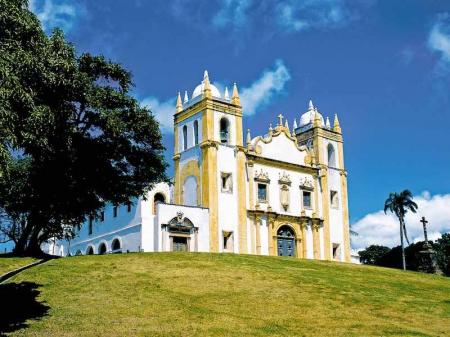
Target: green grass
(175,294)
(8,263)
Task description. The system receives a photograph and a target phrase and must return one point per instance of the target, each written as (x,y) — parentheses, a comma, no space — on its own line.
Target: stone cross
(425,234)
(280,118)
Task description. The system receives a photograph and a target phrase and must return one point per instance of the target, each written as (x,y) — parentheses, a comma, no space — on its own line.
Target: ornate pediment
(180,223)
(262,176)
(306,184)
(284,179)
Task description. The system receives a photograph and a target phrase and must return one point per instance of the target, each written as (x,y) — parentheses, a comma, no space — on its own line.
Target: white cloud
(56,13)
(439,38)
(163,112)
(308,14)
(232,13)
(383,229)
(262,91)
(287,15)
(259,94)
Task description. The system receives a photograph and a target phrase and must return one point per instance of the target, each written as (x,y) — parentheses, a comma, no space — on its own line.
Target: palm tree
(399,204)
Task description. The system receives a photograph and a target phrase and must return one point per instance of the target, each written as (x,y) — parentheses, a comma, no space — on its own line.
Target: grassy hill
(176,294)
(9,263)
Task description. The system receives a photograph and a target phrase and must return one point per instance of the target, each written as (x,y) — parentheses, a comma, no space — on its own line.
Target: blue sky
(382,66)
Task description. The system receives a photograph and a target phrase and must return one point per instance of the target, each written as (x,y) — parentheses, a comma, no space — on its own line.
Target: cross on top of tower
(280,119)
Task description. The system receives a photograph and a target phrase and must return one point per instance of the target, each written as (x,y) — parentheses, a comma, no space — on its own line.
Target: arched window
(190,191)
(115,246)
(331,156)
(185,137)
(195,132)
(102,249)
(78,253)
(224,131)
(159,197)
(90,250)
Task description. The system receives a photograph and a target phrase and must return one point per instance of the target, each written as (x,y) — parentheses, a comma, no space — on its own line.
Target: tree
(399,204)
(442,248)
(72,138)
(373,254)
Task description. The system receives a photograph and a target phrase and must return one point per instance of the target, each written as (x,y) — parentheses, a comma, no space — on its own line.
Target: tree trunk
(22,242)
(402,244)
(34,244)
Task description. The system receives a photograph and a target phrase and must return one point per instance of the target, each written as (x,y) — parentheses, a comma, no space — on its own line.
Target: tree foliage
(72,138)
(373,254)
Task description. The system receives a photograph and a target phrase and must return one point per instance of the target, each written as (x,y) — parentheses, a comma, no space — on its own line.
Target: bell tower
(208,151)
(327,144)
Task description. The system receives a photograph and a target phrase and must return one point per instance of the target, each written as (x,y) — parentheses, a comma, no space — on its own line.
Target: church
(282,193)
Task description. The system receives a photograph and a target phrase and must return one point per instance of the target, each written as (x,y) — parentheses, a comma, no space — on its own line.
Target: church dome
(199,90)
(308,116)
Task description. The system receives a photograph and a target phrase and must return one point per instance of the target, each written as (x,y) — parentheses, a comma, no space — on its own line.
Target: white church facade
(283,193)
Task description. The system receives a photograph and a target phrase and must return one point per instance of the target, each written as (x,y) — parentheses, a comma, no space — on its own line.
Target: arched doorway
(102,249)
(286,241)
(90,250)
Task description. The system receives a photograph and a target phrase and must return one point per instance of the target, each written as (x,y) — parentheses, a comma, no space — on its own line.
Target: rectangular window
(334,199)
(336,251)
(115,211)
(262,192)
(91,221)
(102,216)
(306,199)
(227,241)
(226,182)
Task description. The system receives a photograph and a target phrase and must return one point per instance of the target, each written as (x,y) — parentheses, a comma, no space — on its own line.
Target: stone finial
(310,105)
(327,124)
(249,138)
(226,95)
(294,126)
(206,85)
(179,104)
(317,120)
(286,126)
(270,129)
(336,125)
(186,98)
(235,96)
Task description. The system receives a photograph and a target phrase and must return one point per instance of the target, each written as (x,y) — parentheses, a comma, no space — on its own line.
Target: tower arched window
(158,198)
(331,156)
(185,137)
(224,131)
(195,132)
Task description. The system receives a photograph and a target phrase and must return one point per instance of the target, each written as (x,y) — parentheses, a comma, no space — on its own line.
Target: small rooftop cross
(280,119)
(425,234)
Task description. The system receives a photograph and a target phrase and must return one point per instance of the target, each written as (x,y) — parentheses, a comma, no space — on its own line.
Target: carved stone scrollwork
(262,176)
(284,179)
(306,184)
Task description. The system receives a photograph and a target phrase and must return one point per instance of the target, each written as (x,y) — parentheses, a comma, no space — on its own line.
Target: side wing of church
(283,193)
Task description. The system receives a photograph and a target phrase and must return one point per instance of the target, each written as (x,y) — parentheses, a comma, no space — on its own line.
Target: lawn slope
(176,294)
(8,263)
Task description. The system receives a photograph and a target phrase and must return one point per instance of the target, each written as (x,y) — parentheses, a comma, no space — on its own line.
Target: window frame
(334,205)
(266,200)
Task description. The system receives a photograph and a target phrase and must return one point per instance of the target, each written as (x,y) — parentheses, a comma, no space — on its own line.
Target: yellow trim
(344,197)
(242,201)
(190,169)
(258,236)
(177,183)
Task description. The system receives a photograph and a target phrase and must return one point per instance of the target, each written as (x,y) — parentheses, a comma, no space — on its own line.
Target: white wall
(199,216)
